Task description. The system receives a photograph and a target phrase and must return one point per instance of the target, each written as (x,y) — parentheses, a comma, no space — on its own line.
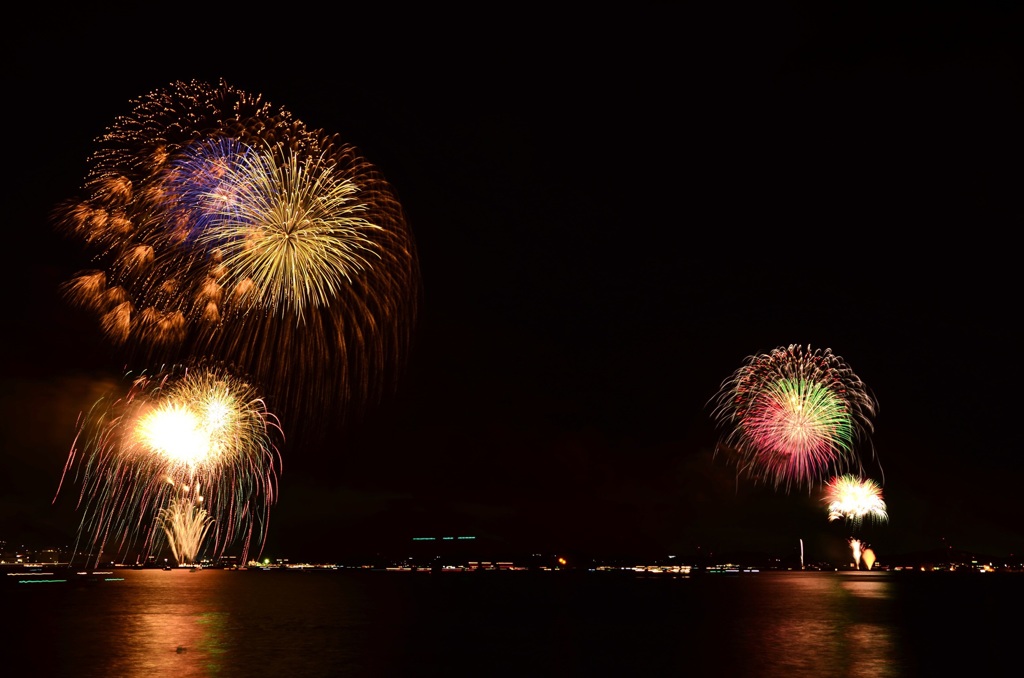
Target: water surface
(148,623)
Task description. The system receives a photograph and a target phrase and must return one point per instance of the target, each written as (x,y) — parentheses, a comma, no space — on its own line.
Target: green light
(41,581)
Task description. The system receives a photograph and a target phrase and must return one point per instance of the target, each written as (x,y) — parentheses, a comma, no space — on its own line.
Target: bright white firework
(853,499)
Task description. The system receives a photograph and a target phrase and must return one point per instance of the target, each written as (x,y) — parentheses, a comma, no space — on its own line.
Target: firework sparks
(221,226)
(289,235)
(793,415)
(856,547)
(185,523)
(140,454)
(853,499)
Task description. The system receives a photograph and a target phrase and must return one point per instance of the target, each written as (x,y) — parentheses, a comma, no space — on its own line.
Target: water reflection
(866,585)
(818,624)
(792,624)
(179,631)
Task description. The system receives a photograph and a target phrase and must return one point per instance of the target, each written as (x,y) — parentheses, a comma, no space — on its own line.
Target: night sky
(611,211)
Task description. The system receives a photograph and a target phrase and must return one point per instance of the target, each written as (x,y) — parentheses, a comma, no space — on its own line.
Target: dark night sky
(611,213)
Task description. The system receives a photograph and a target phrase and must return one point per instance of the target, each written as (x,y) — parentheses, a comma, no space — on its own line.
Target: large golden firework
(142,459)
(219,226)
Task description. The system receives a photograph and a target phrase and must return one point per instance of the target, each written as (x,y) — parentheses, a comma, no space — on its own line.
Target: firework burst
(143,458)
(793,416)
(853,499)
(289,235)
(220,226)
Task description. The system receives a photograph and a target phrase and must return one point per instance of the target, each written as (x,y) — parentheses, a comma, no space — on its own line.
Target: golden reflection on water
(821,624)
(180,632)
(770,624)
(866,586)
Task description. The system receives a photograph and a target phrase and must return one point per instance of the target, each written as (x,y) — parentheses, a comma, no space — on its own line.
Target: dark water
(360,623)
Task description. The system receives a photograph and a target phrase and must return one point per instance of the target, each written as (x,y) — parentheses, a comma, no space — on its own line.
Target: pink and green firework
(794,416)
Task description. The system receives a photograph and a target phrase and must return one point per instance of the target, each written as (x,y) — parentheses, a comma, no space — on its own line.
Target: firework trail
(852,499)
(219,226)
(793,416)
(142,459)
